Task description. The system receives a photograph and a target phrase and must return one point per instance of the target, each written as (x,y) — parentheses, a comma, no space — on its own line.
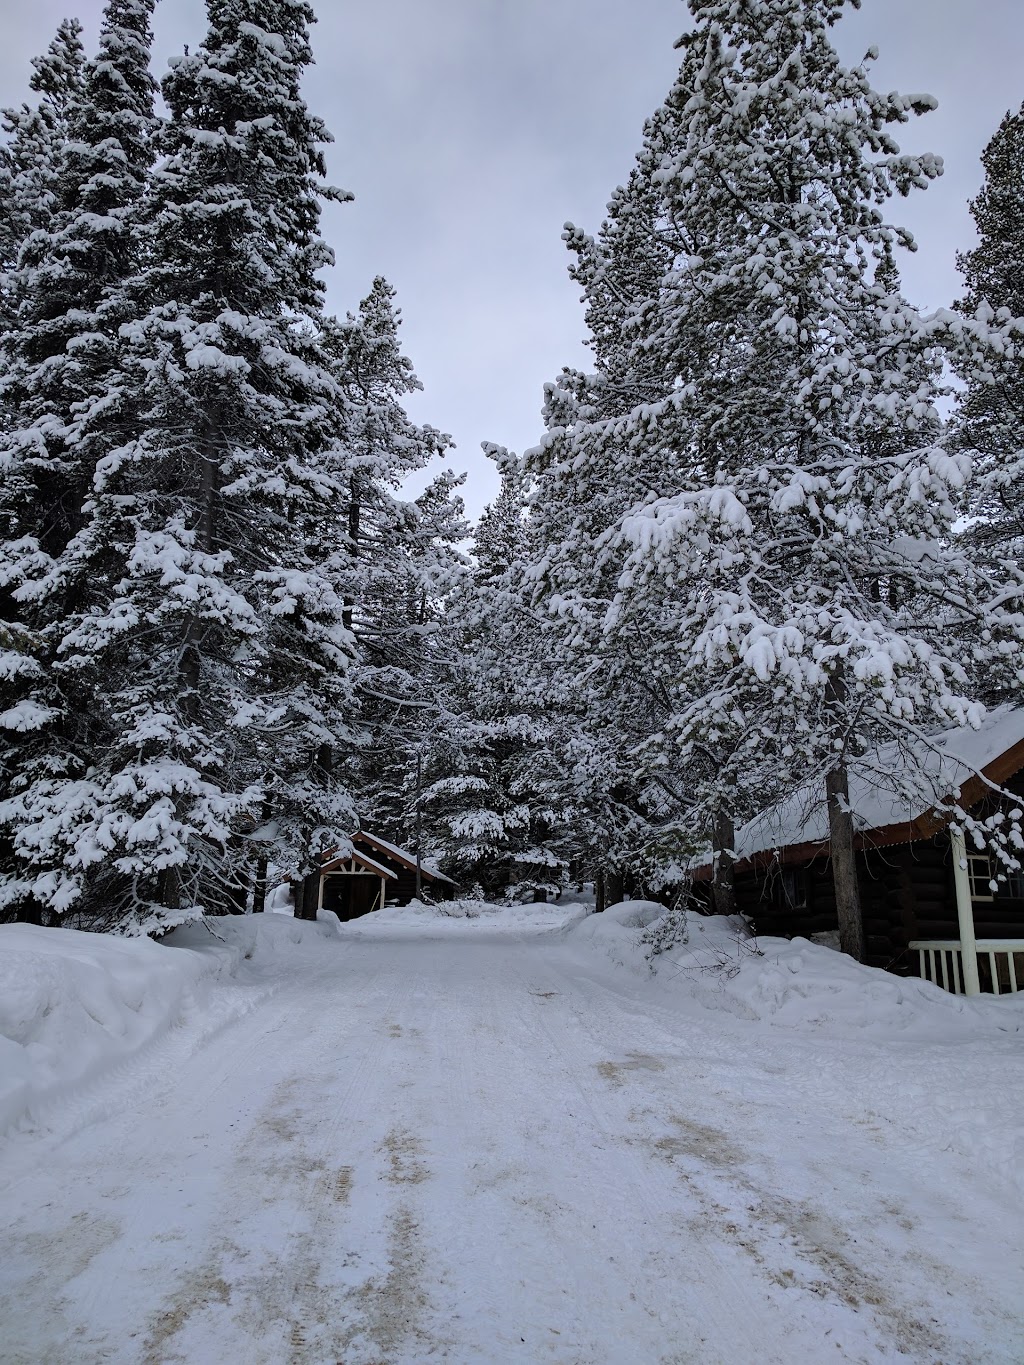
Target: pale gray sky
(470,130)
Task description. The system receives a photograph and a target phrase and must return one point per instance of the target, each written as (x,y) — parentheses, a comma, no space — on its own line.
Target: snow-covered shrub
(665,933)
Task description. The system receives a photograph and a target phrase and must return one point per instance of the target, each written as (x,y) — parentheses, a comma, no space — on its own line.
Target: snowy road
(485,1151)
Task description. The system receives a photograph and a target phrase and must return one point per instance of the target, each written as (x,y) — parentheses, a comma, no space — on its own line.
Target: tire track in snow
(775,1231)
(729,1322)
(383,1305)
(468,1152)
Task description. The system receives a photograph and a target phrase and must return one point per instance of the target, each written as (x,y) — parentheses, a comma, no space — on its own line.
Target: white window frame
(980,874)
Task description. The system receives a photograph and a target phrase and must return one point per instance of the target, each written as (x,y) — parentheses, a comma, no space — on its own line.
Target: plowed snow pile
(791,984)
(935,1064)
(75,1005)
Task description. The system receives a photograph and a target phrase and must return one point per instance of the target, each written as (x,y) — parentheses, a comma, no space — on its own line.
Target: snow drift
(74,1005)
(791,984)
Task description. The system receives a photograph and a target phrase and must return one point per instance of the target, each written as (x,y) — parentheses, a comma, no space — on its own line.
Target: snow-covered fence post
(965,913)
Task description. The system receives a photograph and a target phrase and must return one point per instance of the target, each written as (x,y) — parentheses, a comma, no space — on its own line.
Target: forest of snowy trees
(774,525)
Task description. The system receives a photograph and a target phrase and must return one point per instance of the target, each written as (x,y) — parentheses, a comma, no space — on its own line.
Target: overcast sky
(470,130)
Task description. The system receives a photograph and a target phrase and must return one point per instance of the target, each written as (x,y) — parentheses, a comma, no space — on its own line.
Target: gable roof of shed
(407,860)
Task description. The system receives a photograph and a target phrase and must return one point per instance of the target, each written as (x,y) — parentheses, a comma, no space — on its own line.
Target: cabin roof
(400,855)
(896,792)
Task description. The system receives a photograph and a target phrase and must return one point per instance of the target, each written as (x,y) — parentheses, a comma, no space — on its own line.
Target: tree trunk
(29,912)
(190,669)
(599,893)
(237,899)
(613,885)
(169,894)
(844,863)
(259,893)
(723,887)
(206,539)
(308,896)
(307,903)
(354,519)
(419,825)
(840,828)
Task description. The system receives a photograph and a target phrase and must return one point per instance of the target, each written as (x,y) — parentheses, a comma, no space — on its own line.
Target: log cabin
(931,905)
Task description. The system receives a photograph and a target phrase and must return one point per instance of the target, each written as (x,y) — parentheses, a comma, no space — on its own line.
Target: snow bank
(75,1005)
(795,985)
(467,919)
(803,985)
(258,939)
(939,1068)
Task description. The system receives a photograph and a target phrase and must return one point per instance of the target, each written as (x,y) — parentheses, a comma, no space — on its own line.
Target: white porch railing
(942,963)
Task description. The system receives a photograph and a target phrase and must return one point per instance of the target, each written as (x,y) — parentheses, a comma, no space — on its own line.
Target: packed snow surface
(494,1134)
(460,918)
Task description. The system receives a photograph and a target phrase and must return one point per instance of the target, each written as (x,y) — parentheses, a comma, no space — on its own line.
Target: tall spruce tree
(574,502)
(368,543)
(495,789)
(990,419)
(199,535)
(788,585)
(407,671)
(400,555)
(63,400)
(30,159)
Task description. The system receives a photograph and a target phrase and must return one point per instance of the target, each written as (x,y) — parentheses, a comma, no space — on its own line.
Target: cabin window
(1013,887)
(793,888)
(979,872)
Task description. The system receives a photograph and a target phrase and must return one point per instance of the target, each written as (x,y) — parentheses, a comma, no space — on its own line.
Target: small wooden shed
(354,885)
(376,873)
(928,904)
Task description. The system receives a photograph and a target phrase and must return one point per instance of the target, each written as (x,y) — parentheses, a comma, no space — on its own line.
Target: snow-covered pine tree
(71,277)
(406,672)
(990,420)
(398,557)
(495,789)
(791,585)
(63,403)
(200,528)
(365,542)
(30,158)
(584,476)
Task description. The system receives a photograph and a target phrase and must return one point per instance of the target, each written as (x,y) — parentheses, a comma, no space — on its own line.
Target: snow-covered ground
(461,918)
(498,1137)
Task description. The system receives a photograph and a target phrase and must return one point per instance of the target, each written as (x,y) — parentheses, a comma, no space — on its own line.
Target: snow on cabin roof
(894,785)
(427,865)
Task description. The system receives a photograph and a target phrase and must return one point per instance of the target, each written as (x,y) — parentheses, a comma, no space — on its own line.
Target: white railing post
(965,914)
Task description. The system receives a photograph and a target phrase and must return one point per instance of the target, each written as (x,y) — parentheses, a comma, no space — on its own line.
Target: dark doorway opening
(351,895)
